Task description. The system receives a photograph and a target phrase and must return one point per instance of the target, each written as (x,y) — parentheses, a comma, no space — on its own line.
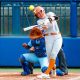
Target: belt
(47,34)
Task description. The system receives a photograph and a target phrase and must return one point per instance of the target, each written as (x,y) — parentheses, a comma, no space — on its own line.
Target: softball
(31,7)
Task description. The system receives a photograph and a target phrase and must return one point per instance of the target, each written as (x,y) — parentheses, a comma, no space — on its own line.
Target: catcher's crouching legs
(27,66)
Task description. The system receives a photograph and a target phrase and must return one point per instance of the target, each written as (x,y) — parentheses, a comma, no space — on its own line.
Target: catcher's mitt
(35,33)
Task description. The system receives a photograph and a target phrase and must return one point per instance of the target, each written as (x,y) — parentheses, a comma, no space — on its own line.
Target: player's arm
(27,46)
(52,16)
(31,46)
(43,24)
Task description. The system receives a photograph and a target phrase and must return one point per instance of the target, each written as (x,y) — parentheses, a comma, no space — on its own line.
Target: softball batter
(47,22)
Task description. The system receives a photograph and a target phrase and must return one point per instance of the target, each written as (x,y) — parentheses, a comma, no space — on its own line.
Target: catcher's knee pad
(44,69)
(22,59)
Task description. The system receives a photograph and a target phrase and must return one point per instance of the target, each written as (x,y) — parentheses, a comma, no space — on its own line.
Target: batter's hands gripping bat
(42,24)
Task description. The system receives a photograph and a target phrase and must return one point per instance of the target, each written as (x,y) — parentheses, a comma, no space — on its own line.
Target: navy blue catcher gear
(27,66)
(44,69)
(39,46)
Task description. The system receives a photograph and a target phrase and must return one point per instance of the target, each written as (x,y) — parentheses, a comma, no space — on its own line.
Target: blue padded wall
(11,48)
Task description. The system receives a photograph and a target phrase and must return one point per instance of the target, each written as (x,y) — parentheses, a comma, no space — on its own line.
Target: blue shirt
(39,46)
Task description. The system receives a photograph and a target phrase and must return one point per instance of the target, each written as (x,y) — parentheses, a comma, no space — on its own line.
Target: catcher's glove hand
(35,33)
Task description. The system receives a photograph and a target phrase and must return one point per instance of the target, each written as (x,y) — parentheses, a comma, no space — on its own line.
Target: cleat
(53,73)
(65,73)
(59,72)
(43,76)
(24,73)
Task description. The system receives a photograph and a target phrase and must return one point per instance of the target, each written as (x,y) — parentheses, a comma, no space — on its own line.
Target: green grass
(10,69)
(74,70)
(36,70)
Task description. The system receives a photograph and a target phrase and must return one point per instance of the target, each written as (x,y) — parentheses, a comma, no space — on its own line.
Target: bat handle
(24,29)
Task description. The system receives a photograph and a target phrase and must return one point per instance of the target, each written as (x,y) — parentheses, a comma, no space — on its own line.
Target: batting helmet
(38,9)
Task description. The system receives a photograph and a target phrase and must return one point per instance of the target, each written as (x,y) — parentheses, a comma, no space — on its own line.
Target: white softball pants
(53,45)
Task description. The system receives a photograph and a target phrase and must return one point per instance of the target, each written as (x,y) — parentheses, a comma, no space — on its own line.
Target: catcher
(39,55)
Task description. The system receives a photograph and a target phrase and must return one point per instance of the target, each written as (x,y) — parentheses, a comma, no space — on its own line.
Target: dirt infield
(17,76)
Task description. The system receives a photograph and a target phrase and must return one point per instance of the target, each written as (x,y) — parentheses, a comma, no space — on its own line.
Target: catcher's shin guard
(27,66)
(44,69)
(31,67)
(51,66)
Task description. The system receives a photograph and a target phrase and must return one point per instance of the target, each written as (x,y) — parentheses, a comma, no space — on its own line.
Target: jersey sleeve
(56,28)
(30,43)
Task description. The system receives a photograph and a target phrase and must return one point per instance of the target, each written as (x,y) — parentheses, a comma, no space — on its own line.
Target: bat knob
(24,29)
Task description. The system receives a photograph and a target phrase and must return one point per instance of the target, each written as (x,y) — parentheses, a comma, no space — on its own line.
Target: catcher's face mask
(35,33)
